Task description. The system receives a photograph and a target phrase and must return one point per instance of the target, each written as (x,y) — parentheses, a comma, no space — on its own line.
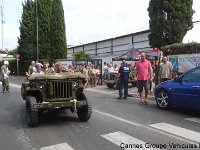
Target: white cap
(5,62)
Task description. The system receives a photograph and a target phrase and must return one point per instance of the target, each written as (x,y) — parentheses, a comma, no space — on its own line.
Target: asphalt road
(114,125)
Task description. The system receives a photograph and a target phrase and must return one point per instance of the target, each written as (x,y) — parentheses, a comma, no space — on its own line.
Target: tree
(169,21)
(57,30)
(81,55)
(44,18)
(27,38)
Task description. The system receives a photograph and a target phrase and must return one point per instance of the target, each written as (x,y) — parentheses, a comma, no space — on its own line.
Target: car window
(192,76)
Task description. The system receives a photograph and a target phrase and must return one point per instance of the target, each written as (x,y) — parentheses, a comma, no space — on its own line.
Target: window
(192,76)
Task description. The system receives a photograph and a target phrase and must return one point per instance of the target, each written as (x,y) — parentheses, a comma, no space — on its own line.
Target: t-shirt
(48,70)
(124,71)
(143,70)
(32,69)
(165,70)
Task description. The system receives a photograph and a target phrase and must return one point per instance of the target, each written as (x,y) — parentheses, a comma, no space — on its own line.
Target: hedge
(181,48)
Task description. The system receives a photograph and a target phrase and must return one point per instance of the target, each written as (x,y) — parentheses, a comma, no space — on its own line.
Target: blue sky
(93,20)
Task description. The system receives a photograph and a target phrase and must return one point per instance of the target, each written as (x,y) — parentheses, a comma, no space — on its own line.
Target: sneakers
(120,98)
(145,102)
(124,97)
(3,91)
(141,102)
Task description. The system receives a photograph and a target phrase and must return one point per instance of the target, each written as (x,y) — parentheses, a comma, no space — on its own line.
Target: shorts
(142,84)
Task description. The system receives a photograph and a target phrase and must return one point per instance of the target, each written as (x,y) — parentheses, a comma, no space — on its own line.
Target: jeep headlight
(41,85)
(75,84)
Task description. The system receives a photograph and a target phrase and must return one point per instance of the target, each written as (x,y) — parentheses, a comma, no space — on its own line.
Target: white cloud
(93,20)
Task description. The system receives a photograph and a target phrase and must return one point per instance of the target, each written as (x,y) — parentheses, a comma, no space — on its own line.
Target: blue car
(182,91)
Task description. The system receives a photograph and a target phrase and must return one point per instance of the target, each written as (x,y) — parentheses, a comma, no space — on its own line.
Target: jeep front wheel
(32,113)
(85,112)
(110,85)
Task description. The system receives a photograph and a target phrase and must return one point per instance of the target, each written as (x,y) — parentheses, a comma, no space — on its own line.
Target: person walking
(123,76)
(5,75)
(143,74)
(165,70)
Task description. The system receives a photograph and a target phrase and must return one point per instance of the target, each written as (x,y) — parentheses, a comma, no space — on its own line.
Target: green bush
(181,48)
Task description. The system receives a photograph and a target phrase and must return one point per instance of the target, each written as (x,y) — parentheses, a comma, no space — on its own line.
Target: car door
(187,92)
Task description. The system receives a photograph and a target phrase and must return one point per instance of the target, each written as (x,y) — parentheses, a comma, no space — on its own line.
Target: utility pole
(36,3)
(2,22)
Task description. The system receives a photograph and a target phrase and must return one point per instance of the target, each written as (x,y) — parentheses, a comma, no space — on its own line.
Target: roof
(136,33)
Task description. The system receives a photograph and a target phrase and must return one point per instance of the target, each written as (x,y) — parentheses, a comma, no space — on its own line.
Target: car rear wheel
(163,99)
(134,84)
(85,112)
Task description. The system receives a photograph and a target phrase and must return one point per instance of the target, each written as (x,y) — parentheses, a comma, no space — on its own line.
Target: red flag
(155,49)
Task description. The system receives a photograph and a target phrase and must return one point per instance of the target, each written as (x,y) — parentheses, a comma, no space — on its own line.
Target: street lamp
(17,57)
(37,30)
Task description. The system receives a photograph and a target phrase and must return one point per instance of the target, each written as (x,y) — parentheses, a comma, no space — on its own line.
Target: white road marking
(175,130)
(197,120)
(171,135)
(62,146)
(117,118)
(126,141)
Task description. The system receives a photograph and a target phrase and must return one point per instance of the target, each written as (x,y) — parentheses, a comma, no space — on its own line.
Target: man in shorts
(143,74)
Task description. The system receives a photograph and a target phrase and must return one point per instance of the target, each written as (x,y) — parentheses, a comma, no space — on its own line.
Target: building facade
(113,47)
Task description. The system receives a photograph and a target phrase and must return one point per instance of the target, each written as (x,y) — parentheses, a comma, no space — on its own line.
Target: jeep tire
(32,113)
(110,85)
(85,112)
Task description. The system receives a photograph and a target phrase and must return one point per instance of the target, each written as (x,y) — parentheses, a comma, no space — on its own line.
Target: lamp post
(17,57)
(37,30)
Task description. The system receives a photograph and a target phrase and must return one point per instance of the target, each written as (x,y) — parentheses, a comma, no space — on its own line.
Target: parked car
(182,91)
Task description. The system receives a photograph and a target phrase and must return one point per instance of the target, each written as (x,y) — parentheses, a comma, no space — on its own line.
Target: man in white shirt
(165,70)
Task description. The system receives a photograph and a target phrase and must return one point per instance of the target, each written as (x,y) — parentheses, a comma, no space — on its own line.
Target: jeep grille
(112,76)
(59,90)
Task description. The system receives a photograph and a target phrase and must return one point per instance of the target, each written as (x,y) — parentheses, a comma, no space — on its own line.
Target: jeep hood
(64,75)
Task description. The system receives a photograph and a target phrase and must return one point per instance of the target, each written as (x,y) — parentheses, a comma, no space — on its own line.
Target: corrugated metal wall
(110,48)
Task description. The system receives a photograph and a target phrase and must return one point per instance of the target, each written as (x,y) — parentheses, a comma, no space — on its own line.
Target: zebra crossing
(127,142)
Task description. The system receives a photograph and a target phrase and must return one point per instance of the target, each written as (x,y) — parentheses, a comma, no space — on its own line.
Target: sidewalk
(131,90)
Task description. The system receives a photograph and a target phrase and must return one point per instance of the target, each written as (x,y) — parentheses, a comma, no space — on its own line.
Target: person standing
(104,71)
(143,74)
(92,74)
(123,76)
(31,68)
(165,70)
(86,73)
(5,74)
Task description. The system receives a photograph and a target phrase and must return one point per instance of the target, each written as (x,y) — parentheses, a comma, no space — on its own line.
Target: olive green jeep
(43,93)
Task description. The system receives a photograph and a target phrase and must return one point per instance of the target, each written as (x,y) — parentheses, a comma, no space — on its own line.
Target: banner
(183,63)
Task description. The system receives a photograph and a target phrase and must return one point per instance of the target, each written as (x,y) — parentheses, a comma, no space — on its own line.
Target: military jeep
(43,93)
(111,80)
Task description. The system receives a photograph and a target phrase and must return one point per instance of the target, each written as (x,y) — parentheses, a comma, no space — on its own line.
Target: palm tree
(81,55)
